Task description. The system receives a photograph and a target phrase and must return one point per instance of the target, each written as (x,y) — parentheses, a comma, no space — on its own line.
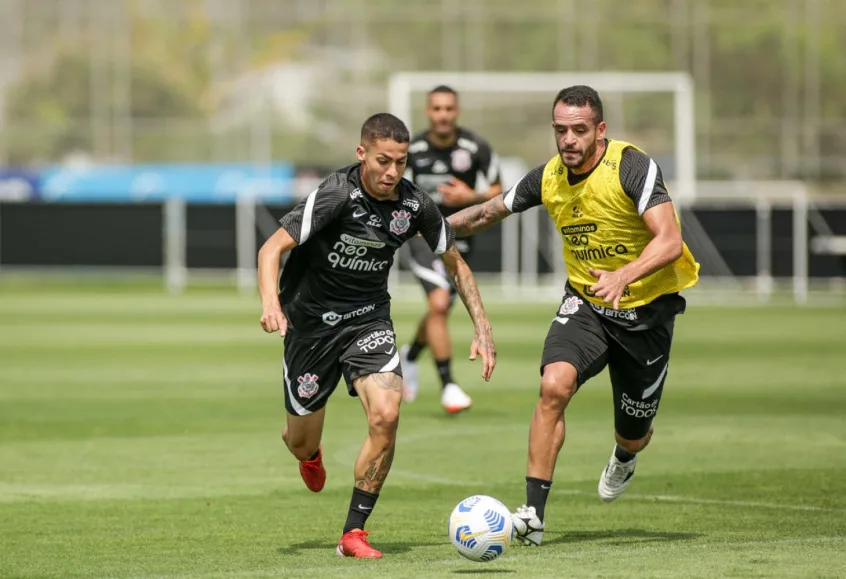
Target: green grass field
(139,438)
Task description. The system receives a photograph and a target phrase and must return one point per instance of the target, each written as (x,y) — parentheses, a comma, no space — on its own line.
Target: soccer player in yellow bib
(626,264)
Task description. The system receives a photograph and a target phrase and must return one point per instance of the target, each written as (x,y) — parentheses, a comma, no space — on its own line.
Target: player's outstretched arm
(478,217)
(465,284)
(269,256)
(525,194)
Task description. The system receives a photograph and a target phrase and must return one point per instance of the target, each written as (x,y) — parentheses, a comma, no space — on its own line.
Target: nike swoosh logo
(356,214)
(650,362)
(655,385)
(544,487)
(391,351)
(363,508)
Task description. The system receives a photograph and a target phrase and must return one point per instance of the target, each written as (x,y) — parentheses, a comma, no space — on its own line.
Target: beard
(580,156)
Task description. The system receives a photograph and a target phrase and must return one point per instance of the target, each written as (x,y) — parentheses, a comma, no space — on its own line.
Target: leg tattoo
(377,471)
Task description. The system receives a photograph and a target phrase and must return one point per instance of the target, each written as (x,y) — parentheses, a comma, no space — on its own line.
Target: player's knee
(383,418)
(439,302)
(558,385)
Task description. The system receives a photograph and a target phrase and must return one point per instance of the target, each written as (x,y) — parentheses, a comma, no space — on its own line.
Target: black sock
(444,371)
(415,350)
(361,506)
(537,491)
(622,454)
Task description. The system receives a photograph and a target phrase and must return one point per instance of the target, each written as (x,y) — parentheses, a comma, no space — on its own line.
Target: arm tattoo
(465,283)
(466,286)
(478,217)
(377,471)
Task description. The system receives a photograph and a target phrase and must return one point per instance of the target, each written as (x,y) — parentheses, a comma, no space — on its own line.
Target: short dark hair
(443,89)
(384,126)
(579,96)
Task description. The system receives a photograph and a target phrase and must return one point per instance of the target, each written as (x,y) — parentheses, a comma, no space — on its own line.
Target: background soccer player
(450,163)
(335,311)
(626,264)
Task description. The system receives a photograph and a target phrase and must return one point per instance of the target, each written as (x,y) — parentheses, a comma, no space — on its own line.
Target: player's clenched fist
(273,320)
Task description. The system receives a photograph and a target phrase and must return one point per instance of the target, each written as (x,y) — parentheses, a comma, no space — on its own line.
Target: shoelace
(617,473)
(362,539)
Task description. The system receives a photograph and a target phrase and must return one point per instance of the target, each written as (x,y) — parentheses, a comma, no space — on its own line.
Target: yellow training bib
(602,229)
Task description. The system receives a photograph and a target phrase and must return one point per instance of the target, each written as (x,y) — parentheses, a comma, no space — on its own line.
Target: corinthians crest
(308,385)
(461,160)
(401,222)
(569,306)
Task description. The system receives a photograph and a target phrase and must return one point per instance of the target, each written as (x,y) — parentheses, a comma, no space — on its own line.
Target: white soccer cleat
(409,376)
(454,399)
(528,528)
(615,478)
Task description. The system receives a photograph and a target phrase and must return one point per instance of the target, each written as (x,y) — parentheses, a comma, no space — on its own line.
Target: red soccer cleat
(354,544)
(313,472)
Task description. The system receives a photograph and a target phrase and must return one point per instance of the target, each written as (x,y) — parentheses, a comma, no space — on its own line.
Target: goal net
(521,259)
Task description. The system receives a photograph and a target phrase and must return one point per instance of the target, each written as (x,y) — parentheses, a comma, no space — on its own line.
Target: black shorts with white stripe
(313,365)
(583,335)
(428,267)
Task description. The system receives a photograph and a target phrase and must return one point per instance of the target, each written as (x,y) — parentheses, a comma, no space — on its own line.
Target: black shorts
(313,365)
(637,358)
(428,267)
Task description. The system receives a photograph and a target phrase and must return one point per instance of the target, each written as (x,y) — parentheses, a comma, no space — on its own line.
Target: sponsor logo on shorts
(601,252)
(351,253)
(638,408)
(627,314)
(308,385)
(412,204)
(570,306)
(401,222)
(333,318)
(375,340)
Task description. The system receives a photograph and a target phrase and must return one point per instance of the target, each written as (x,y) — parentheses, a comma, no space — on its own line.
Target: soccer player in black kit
(451,164)
(333,308)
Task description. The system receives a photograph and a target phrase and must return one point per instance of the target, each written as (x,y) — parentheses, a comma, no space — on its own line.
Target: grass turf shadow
(386,548)
(618,536)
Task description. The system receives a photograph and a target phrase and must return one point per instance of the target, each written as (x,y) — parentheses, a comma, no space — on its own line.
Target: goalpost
(527,239)
(522,242)
(402,85)
(520,238)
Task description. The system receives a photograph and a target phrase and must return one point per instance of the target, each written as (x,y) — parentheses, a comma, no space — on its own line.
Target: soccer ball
(480,528)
